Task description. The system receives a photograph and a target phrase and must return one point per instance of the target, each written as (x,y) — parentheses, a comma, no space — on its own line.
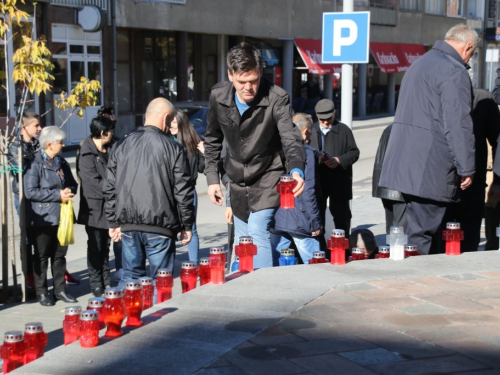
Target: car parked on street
(197,113)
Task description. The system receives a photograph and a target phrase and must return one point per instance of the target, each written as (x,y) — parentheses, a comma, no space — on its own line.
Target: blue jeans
(137,246)
(306,246)
(194,245)
(258,228)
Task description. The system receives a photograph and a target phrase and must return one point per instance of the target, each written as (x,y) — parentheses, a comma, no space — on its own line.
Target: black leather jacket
(29,151)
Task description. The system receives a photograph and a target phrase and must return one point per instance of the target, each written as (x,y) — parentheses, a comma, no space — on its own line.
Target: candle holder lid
(89,315)
(287,252)
(319,254)
(397,230)
(112,293)
(338,233)
(146,280)
(188,265)
(217,250)
(357,250)
(33,327)
(384,249)
(73,310)
(13,336)
(409,247)
(204,261)
(453,225)
(96,302)
(133,285)
(286,178)
(236,258)
(246,240)
(163,272)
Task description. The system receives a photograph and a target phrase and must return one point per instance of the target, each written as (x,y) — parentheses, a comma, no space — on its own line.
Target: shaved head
(160,113)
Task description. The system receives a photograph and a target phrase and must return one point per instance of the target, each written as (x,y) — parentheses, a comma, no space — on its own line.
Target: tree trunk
(5,238)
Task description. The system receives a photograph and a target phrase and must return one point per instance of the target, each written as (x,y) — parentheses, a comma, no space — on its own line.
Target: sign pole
(347,78)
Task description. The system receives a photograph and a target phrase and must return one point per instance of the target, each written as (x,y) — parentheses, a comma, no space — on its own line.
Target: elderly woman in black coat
(47,183)
(91,169)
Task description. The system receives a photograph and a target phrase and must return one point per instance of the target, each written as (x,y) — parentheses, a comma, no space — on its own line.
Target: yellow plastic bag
(65,231)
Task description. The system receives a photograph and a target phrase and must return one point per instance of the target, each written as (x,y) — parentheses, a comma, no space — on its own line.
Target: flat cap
(324,109)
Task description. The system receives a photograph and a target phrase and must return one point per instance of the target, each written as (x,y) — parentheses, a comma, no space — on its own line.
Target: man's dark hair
(101,124)
(243,58)
(29,116)
(104,110)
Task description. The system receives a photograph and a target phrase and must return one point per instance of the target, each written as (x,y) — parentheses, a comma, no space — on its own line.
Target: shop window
(435,7)
(409,5)
(124,100)
(455,8)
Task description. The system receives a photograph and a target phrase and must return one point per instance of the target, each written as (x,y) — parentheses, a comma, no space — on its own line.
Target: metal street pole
(347,77)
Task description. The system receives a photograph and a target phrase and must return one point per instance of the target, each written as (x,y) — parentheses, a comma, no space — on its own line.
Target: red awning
(310,50)
(389,57)
(411,52)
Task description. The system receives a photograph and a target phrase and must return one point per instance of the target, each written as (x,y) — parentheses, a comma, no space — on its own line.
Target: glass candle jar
(13,351)
(357,254)
(148,291)
(204,271)
(285,189)
(453,235)
(35,339)
(217,262)
(396,239)
(164,284)
(113,310)
(89,329)
(96,304)
(383,252)
(245,251)
(134,303)
(287,258)
(410,251)
(337,244)
(318,257)
(188,276)
(71,324)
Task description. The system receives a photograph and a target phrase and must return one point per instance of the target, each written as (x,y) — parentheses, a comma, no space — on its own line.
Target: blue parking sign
(346,38)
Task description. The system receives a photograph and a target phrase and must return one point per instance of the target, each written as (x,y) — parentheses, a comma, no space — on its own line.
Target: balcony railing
(103,4)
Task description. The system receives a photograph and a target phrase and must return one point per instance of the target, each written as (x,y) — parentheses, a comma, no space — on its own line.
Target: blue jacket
(432,143)
(305,218)
(42,186)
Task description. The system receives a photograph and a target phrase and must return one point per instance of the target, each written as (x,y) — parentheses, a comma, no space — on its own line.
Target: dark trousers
(395,214)
(29,247)
(230,243)
(491,222)
(469,213)
(98,257)
(46,244)
(426,221)
(340,210)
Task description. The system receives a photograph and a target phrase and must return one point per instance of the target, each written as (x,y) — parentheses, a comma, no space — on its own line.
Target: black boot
(44,300)
(62,296)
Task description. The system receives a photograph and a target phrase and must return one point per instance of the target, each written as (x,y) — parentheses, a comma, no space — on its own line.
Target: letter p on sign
(339,40)
(346,38)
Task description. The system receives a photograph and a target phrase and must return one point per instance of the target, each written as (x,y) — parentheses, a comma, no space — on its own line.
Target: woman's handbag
(65,231)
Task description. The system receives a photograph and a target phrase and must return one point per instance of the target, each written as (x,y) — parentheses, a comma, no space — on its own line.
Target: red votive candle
(35,339)
(133,302)
(204,271)
(285,189)
(337,244)
(113,310)
(13,351)
(96,304)
(357,254)
(188,276)
(411,251)
(217,262)
(148,291)
(164,284)
(71,324)
(453,235)
(245,250)
(383,252)
(318,257)
(89,329)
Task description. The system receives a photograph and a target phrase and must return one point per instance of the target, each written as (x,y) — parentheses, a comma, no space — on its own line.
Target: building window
(455,8)
(410,5)
(435,7)
(124,100)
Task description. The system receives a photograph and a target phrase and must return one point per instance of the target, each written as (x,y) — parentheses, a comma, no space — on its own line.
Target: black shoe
(45,300)
(65,297)
(98,292)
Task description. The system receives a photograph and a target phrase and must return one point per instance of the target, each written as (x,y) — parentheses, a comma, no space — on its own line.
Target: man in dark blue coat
(430,155)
